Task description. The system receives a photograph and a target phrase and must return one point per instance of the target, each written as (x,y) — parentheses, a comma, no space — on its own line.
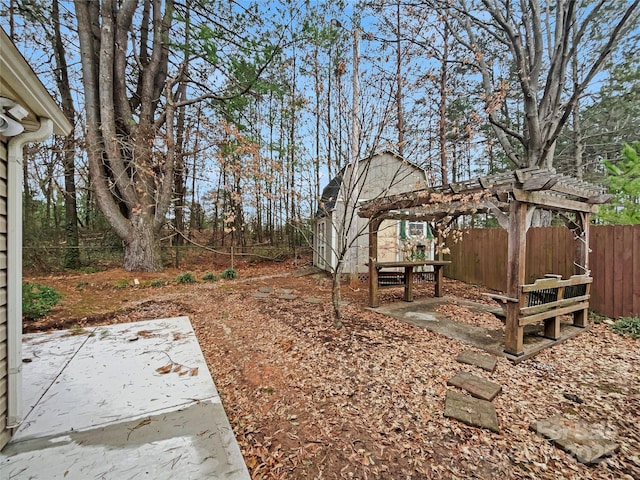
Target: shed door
(321,244)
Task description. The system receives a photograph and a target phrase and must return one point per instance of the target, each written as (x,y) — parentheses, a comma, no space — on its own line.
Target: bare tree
(130,101)
(120,130)
(539,40)
(72,253)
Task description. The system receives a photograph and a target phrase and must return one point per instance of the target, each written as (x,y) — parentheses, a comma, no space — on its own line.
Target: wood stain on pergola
(512,197)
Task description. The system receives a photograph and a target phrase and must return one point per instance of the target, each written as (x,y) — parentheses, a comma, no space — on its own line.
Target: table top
(413,264)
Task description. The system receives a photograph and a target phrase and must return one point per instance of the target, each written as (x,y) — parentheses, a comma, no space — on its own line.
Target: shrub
(210,277)
(157,283)
(78,330)
(229,274)
(186,278)
(38,300)
(122,283)
(628,326)
(90,269)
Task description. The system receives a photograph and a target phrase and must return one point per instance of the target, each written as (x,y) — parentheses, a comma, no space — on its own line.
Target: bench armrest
(501,298)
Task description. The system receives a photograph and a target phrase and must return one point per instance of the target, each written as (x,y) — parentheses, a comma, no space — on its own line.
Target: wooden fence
(614,261)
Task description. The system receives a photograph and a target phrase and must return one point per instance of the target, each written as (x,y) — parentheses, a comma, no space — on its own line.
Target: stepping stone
(472,411)
(476,386)
(313,300)
(486,362)
(261,295)
(288,297)
(284,291)
(586,445)
(265,289)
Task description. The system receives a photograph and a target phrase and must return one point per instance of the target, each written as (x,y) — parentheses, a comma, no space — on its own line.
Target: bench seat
(546,300)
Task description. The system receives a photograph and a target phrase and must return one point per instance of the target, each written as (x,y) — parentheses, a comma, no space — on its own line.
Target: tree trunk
(336,296)
(178,202)
(72,252)
(193,215)
(317,113)
(399,81)
(179,176)
(442,111)
(291,182)
(142,249)
(578,145)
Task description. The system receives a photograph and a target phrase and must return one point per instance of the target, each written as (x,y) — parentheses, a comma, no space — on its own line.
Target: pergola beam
(539,187)
(553,202)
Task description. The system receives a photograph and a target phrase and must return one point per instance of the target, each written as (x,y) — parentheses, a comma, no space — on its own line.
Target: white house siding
(4,433)
(19,84)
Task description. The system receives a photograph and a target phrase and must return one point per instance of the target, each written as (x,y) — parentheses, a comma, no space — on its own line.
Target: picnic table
(380,276)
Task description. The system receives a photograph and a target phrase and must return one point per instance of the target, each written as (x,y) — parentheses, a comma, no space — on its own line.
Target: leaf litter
(366,401)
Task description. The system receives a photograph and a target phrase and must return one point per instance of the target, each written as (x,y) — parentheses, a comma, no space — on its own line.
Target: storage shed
(378,176)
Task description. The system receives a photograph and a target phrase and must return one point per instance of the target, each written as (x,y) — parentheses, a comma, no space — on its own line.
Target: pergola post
(516,257)
(440,242)
(581,254)
(581,262)
(374,225)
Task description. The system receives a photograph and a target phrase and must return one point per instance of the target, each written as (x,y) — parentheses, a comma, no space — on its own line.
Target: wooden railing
(546,300)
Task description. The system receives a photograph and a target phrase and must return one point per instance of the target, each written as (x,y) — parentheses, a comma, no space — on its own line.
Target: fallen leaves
(166,369)
(371,394)
(307,400)
(174,367)
(181,370)
(142,423)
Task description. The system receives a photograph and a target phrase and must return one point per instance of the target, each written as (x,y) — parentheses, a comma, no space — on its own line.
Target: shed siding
(385,175)
(379,176)
(4,433)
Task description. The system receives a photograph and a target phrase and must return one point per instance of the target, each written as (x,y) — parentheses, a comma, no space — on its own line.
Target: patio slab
(123,401)
(485,362)
(579,440)
(423,313)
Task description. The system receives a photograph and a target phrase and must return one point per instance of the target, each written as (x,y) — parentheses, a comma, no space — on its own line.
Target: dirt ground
(309,401)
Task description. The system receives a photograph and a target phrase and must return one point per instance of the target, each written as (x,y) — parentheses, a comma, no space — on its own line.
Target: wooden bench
(547,299)
(380,276)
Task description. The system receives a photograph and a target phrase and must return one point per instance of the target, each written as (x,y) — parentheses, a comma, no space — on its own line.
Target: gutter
(14,266)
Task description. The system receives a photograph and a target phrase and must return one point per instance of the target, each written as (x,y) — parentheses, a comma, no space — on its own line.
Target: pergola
(513,198)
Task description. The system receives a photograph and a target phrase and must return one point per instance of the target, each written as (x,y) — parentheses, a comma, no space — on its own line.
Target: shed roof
(330,193)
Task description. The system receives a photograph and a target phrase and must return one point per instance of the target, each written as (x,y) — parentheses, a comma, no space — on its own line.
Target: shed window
(416,229)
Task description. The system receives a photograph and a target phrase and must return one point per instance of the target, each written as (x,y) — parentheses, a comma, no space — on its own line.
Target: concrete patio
(424,313)
(119,402)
